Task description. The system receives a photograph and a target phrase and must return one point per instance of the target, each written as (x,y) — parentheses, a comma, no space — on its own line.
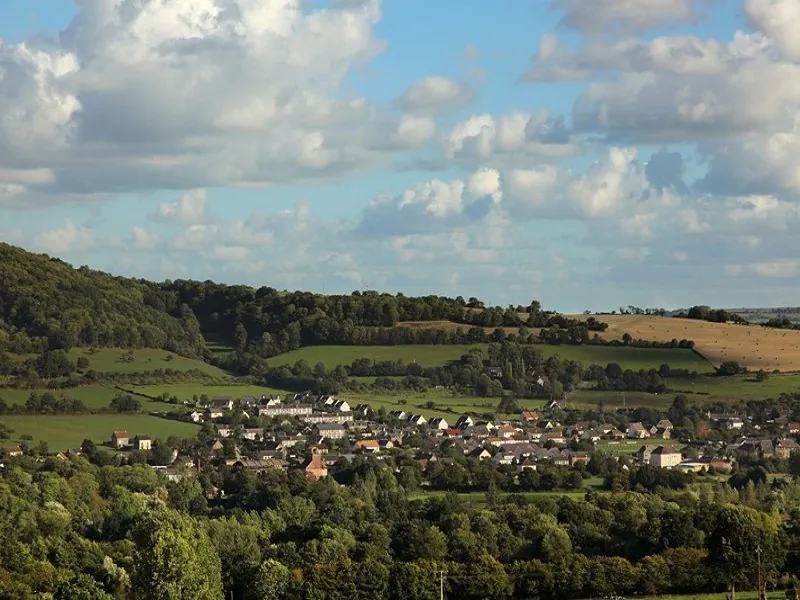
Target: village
(312,433)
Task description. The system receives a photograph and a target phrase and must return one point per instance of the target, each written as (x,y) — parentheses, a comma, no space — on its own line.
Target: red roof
(452,432)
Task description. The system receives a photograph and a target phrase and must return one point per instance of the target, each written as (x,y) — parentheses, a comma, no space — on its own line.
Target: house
(438,423)
(213,413)
(11,451)
(757,448)
(224,431)
(734,423)
(508,431)
(665,457)
(315,466)
(120,439)
(614,434)
(196,417)
(331,431)
(643,455)
(495,372)
(214,445)
(785,448)
(637,431)
(554,436)
(592,435)
(142,442)
(529,416)
(386,443)
(253,433)
(793,428)
(341,406)
(400,415)
(452,433)
(222,402)
(480,454)
(367,445)
(578,458)
(261,465)
(464,421)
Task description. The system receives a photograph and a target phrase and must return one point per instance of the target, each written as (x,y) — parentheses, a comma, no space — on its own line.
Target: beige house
(665,457)
(120,439)
(143,442)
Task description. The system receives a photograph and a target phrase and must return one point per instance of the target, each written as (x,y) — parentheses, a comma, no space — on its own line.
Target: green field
(112,360)
(186,391)
(63,432)
(333,356)
(446,405)
(95,397)
(743,387)
(611,400)
(432,355)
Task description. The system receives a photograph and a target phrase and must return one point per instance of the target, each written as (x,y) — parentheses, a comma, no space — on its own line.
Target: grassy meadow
(187,391)
(433,355)
(113,360)
(95,397)
(63,432)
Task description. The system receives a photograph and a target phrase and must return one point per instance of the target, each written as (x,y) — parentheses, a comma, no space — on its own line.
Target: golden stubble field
(752,346)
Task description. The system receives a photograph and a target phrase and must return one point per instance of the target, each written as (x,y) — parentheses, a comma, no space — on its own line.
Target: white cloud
(512,139)
(189,208)
(143,239)
(780,20)
(181,95)
(63,239)
(434,94)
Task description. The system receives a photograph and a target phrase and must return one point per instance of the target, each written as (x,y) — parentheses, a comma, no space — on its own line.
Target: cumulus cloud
(148,95)
(434,94)
(63,239)
(189,208)
(513,138)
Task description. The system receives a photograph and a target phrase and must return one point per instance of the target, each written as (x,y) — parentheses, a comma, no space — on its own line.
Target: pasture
(115,360)
(63,432)
(445,404)
(187,391)
(435,355)
(95,397)
(752,346)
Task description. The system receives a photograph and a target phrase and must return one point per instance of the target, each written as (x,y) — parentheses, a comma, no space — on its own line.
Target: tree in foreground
(176,560)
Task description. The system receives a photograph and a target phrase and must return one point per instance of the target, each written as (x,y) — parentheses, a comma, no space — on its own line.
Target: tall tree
(176,560)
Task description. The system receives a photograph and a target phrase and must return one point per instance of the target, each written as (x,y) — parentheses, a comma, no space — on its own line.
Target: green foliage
(176,560)
(45,304)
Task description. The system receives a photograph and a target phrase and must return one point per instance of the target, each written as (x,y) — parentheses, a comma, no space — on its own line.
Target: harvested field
(752,346)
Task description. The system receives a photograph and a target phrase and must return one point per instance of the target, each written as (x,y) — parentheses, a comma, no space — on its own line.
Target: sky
(590,154)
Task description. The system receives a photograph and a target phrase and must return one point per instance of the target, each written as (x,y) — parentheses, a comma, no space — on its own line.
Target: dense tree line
(73,529)
(706,313)
(47,304)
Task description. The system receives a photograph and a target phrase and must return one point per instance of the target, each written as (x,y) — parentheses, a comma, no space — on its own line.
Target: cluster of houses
(327,430)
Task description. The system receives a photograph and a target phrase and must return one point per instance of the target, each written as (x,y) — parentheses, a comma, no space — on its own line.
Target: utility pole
(441,584)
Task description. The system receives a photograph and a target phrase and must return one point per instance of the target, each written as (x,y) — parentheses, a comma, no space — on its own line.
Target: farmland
(62,432)
(752,346)
(432,355)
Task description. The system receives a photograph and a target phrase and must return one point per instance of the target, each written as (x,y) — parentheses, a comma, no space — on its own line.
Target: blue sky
(588,154)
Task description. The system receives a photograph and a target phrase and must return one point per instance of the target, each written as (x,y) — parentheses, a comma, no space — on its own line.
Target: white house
(438,423)
(341,406)
(196,417)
